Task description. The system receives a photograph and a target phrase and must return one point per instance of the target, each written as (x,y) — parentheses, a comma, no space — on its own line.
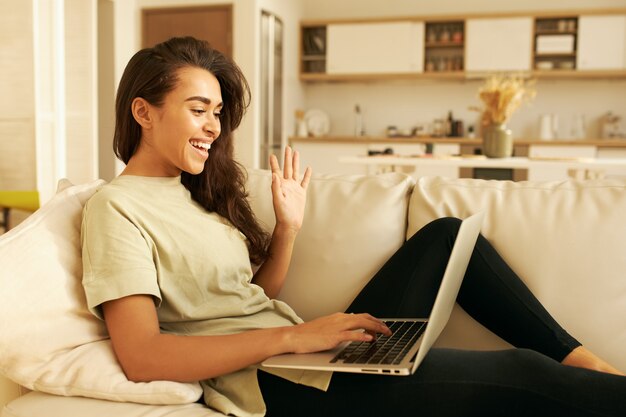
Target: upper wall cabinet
(601,43)
(584,44)
(500,44)
(375,48)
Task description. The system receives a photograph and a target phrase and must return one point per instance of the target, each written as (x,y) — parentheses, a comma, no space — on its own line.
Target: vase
(497,141)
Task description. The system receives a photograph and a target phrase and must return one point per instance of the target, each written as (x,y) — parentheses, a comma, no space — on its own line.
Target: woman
(167,251)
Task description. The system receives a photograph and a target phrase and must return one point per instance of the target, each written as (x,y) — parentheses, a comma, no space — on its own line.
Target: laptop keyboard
(388,350)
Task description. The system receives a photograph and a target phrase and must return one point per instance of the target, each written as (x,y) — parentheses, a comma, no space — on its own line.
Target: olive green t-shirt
(145,235)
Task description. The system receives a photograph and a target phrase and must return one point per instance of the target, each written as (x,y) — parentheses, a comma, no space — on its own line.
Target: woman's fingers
(368,323)
(306,179)
(274,165)
(329,331)
(296,166)
(291,167)
(288,164)
(352,336)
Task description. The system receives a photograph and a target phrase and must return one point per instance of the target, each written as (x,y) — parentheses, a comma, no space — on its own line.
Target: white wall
(48,111)
(17,113)
(406,103)
(81,99)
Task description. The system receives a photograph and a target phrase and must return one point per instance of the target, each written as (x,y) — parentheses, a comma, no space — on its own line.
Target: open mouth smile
(201,147)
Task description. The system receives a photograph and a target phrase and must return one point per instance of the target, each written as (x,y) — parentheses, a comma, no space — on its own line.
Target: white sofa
(567,240)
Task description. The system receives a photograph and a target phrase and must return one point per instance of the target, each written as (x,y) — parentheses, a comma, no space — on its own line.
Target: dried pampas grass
(501,96)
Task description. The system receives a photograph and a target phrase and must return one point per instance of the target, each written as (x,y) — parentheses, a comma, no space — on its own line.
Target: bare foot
(583,358)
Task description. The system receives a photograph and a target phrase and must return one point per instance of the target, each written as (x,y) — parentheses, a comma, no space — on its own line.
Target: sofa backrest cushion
(565,239)
(49,341)
(352,225)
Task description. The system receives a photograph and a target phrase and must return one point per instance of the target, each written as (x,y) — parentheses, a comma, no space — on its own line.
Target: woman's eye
(217,115)
(198,111)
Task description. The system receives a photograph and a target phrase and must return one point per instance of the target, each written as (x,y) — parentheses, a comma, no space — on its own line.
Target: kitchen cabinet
(608,152)
(323,158)
(555,43)
(366,48)
(444,47)
(498,44)
(313,52)
(601,42)
(556,151)
(323,154)
(589,44)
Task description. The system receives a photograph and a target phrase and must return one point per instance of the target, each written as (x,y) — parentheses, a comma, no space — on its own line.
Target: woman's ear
(141,110)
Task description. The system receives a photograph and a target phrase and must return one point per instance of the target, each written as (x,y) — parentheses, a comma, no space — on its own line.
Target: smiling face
(177,135)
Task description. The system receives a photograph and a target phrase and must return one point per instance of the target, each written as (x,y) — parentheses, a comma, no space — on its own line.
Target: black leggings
(528,381)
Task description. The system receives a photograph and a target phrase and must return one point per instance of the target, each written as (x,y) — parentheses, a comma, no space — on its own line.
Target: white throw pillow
(565,239)
(352,225)
(48,339)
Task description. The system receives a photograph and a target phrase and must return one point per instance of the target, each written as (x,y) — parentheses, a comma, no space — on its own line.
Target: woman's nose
(212,126)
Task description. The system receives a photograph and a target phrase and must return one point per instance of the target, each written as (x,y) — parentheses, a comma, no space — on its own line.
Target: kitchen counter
(323,154)
(601,143)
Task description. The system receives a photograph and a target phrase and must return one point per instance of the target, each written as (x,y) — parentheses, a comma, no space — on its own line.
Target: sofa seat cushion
(39,404)
(565,239)
(352,225)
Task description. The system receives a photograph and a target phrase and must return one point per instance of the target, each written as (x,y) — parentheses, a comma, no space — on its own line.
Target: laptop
(403,351)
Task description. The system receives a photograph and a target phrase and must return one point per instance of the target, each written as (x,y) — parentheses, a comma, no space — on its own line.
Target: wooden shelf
(464,75)
(434,75)
(313,57)
(555,32)
(580,74)
(601,143)
(556,55)
(444,45)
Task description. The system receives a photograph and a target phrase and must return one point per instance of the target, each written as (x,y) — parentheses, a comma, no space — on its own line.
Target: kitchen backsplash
(406,104)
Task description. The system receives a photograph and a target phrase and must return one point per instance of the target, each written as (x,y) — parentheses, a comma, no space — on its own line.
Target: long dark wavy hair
(220,187)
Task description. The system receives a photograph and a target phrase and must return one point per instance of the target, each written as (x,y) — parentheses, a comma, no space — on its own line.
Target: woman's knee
(447,223)
(443,226)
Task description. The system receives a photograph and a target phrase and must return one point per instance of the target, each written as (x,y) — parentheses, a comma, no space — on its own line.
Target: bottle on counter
(359,130)
(449,124)
(457,129)
(301,129)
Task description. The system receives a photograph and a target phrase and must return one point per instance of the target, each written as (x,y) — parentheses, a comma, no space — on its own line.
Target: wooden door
(211,23)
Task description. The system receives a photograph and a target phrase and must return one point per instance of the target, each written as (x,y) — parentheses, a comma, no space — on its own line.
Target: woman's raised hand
(288,192)
(329,331)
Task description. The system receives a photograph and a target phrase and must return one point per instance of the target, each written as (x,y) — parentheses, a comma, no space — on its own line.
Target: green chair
(21,200)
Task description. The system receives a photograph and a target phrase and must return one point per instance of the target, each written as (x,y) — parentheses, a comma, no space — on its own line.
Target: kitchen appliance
(548,126)
(611,126)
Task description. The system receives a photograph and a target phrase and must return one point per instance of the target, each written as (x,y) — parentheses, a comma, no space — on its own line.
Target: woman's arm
(146,354)
(289,199)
